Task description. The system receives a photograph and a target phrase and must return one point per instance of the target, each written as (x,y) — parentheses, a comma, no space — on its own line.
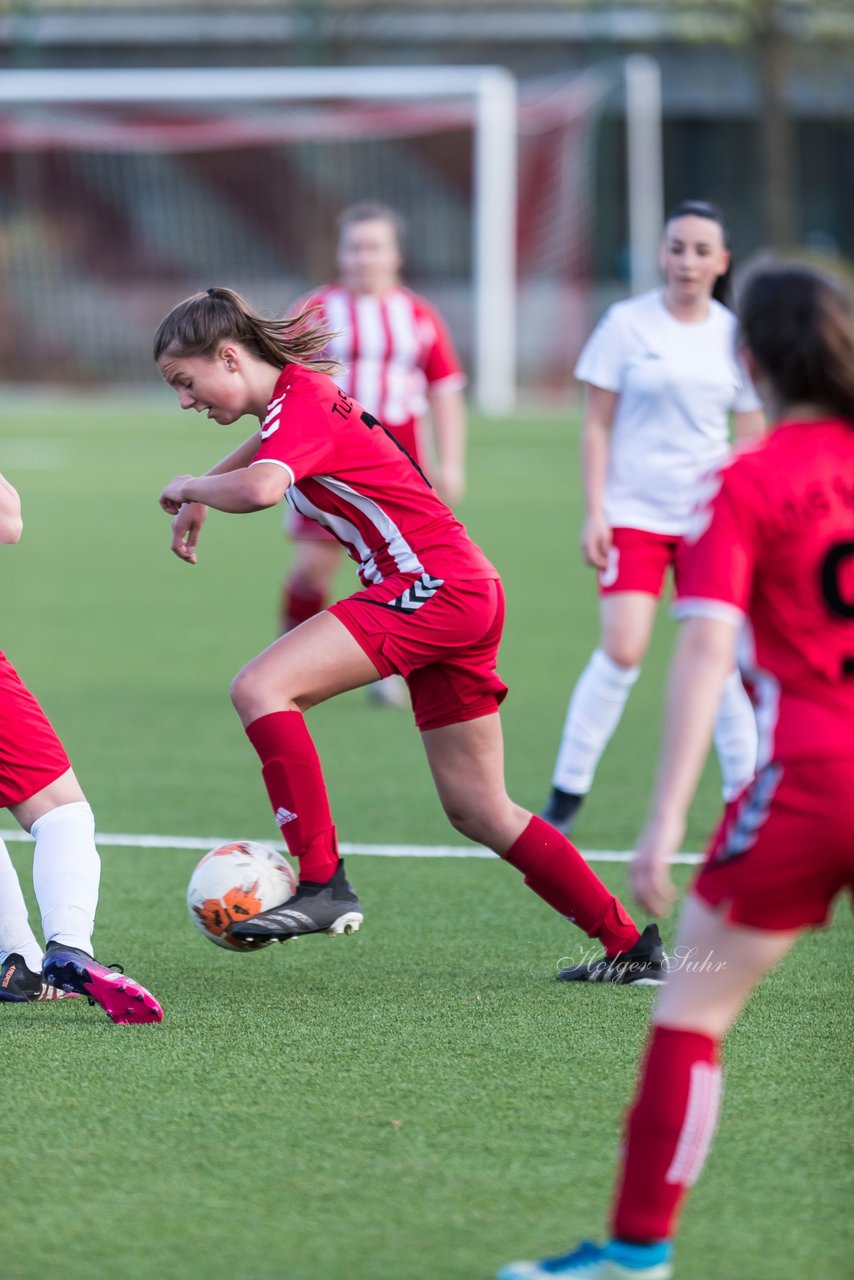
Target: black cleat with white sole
(314,908)
(645,964)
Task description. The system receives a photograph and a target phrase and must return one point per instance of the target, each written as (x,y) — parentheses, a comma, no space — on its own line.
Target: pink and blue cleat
(122,998)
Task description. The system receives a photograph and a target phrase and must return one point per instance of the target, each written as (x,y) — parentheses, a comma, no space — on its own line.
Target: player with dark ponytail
(431,609)
(775,547)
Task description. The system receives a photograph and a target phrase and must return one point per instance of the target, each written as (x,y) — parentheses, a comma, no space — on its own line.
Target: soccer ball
(233,883)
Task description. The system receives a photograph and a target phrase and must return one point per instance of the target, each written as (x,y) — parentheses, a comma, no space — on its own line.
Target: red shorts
(303,529)
(442,639)
(784,848)
(638,561)
(31,755)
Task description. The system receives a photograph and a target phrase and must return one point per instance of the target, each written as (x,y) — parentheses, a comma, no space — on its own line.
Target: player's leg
(467,763)
(318,660)
(66,864)
(16,936)
(736,737)
(307,589)
(671,1125)
(599,699)
(20,951)
(736,732)
(66,878)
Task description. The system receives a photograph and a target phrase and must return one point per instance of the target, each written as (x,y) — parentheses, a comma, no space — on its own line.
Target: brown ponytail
(799,326)
(198,325)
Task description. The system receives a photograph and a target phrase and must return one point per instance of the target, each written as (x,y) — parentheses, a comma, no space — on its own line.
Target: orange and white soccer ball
(232,884)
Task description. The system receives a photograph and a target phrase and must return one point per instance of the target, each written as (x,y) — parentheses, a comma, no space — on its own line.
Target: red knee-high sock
(668,1132)
(299,603)
(555,870)
(294,781)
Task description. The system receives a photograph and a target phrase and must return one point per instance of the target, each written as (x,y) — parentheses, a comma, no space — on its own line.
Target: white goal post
(124,185)
(492,90)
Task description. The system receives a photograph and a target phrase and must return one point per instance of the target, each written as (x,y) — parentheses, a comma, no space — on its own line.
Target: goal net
(116,203)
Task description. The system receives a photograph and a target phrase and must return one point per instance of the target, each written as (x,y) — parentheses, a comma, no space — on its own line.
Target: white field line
(203,843)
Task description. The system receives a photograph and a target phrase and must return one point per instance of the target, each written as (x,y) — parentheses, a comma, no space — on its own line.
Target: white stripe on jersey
(405,381)
(382,355)
(336,309)
(372,347)
(398,548)
(343,529)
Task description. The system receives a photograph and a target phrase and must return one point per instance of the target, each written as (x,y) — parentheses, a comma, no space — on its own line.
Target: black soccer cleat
(315,908)
(20,984)
(561,810)
(645,964)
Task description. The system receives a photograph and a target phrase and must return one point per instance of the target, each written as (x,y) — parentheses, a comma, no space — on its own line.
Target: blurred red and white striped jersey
(395,347)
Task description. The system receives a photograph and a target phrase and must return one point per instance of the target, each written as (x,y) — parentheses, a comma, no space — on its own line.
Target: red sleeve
(716,574)
(439,359)
(298,434)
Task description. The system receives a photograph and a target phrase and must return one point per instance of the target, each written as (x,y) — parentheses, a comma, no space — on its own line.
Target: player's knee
(243,690)
(626,651)
(462,818)
(474,822)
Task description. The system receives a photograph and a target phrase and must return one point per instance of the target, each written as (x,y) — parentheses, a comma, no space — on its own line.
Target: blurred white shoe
(389,692)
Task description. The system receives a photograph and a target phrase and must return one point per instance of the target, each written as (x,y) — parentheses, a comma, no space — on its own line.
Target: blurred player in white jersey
(661,376)
(774,548)
(38,787)
(398,361)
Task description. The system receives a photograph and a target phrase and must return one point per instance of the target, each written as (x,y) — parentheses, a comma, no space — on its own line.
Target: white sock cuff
(607,669)
(733,694)
(78,810)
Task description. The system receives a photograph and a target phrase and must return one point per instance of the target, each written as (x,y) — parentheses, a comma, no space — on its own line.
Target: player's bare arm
(599,413)
(11,524)
(190,517)
(448,413)
(237,492)
(703,660)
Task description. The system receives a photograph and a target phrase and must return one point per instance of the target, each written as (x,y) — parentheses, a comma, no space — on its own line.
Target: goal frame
(492,92)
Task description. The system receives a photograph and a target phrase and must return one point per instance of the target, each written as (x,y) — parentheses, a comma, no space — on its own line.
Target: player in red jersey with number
(431,609)
(776,550)
(397,360)
(38,787)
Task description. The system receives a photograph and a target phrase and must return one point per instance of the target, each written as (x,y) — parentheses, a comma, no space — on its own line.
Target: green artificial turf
(418,1102)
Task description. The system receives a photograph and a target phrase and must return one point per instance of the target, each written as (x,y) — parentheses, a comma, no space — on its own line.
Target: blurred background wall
(108,214)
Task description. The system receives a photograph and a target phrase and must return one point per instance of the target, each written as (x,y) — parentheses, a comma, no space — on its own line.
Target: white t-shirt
(677,384)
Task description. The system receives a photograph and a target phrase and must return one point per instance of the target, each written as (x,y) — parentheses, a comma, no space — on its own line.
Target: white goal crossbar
(492,91)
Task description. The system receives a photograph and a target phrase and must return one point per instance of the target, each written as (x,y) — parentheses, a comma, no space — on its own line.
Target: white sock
(736,737)
(594,712)
(66,873)
(15,932)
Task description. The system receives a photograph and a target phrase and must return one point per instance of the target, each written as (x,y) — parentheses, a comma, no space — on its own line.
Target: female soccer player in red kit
(775,548)
(397,360)
(38,787)
(431,608)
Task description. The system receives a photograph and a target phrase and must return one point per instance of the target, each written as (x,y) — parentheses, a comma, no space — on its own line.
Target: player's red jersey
(350,475)
(394,347)
(779,548)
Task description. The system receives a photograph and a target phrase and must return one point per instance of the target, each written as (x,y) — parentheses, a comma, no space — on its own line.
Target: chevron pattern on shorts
(416,595)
